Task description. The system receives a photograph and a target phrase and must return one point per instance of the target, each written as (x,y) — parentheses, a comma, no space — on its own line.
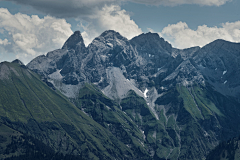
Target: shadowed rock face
(219,62)
(74,42)
(18,62)
(227,150)
(191,94)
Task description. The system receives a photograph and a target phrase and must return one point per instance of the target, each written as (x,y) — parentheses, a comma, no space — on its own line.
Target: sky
(30,28)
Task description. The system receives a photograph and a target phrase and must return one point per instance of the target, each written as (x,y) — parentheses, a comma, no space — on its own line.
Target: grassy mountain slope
(30,107)
(131,122)
(199,116)
(192,120)
(17,146)
(157,139)
(108,114)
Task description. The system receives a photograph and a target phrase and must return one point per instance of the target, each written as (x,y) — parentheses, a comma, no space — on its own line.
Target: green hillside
(131,122)
(29,106)
(109,114)
(192,120)
(199,116)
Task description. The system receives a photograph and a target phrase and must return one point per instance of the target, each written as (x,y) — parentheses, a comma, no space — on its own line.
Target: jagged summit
(17,61)
(220,43)
(113,48)
(74,41)
(111,33)
(152,41)
(109,38)
(149,34)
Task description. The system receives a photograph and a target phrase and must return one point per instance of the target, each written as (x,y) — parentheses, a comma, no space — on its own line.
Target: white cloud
(30,36)
(180,2)
(81,8)
(110,18)
(4,42)
(67,8)
(183,37)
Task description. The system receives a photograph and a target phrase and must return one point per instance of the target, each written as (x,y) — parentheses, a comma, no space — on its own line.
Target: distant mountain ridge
(158,101)
(147,53)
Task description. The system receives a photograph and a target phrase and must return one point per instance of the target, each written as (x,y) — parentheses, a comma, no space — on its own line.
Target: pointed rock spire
(18,62)
(74,41)
(152,41)
(111,33)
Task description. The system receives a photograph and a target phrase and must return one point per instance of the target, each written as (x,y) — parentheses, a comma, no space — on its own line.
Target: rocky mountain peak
(152,40)
(18,62)
(222,44)
(112,49)
(149,35)
(74,41)
(111,34)
(110,38)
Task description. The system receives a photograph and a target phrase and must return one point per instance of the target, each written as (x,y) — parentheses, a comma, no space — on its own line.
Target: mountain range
(123,99)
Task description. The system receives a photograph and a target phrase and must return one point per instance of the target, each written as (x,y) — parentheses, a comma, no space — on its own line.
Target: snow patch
(101,80)
(163,88)
(110,45)
(186,83)
(103,57)
(206,134)
(150,55)
(224,72)
(200,66)
(152,97)
(108,107)
(145,93)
